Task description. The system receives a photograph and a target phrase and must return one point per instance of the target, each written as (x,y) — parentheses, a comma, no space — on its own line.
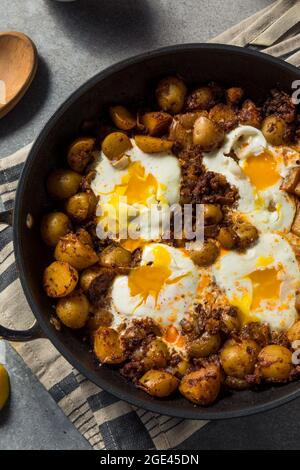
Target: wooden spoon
(18,64)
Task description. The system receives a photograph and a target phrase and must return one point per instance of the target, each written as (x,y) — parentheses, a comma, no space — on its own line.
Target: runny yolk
(265,286)
(148,280)
(136,185)
(261,170)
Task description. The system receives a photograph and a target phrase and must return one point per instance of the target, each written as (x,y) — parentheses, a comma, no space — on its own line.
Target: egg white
(232,270)
(166,170)
(254,204)
(174,299)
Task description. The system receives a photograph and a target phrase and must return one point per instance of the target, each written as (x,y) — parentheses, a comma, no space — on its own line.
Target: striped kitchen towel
(105,421)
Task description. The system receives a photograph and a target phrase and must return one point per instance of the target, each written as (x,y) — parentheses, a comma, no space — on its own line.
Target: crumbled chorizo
(280,104)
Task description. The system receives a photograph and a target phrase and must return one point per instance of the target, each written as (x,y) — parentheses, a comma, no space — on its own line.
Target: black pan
(130,81)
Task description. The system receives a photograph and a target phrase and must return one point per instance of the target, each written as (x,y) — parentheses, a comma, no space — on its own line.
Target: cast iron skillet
(130,81)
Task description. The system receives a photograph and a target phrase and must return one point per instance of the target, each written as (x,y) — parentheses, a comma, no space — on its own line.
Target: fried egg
(162,287)
(256,169)
(149,181)
(262,282)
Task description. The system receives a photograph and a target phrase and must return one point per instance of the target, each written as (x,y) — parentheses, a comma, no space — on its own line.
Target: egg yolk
(261,170)
(265,286)
(136,186)
(148,280)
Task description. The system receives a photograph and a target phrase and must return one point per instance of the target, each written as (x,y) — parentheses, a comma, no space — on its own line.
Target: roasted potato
(80,153)
(180,135)
(157,355)
(236,384)
(206,254)
(292,179)
(88,275)
(115,145)
(226,237)
(275,363)
(73,310)
(202,386)
(207,134)
(229,323)
(77,207)
(122,118)
(187,120)
(204,346)
(60,279)
(62,184)
(170,94)
(78,253)
(54,226)
(224,115)
(4,386)
(115,256)
(238,357)
(296,223)
(107,346)
(150,144)
(275,130)
(293,332)
(250,114)
(203,98)
(99,317)
(297,302)
(212,214)
(156,123)
(246,234)
(234,95)
(159,383)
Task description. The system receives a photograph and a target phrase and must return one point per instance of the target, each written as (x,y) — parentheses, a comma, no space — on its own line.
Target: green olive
(204,346)
(157,355)
(246,233)
(212,214)
(226,238)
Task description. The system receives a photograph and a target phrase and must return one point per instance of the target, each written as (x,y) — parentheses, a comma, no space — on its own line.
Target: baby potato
(115,256)
(250,114)
(226,237)
(274,129)
(107,346)
(157,355)
(122,118)
(77,207)
(238,357)
(212,214)
(229,323)
(203,98)
(156,123)
(159,383)
(4,386)
(54,226)
(80,153)
(202,386)
(99,317)
(246,234)
(180,135)
(73,250)
(73,310)
(150,144)
(207,134)
(204,346)
(170,94)
(60,279)
(293,332)
(87,276)
(234,95)
(206,254)
(62,184)
(115,145)
(224,116)
(275,363)
(187,120)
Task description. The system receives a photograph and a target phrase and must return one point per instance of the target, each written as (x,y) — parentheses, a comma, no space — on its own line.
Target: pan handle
(34,332)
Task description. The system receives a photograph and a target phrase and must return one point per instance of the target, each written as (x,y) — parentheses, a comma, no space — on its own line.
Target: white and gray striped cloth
(105,421)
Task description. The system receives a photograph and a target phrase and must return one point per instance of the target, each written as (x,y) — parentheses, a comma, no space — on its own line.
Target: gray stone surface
(76,40)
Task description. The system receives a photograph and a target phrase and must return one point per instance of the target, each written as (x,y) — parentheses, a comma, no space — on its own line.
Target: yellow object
(4,386)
